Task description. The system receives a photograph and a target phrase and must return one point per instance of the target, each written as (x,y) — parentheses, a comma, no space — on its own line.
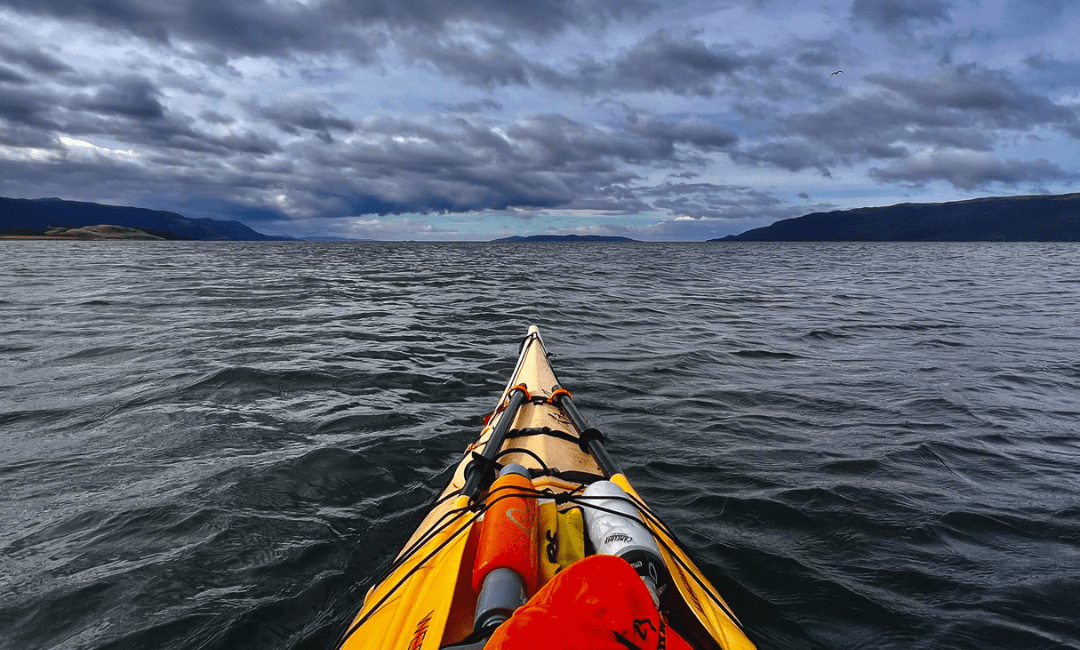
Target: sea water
(220,445)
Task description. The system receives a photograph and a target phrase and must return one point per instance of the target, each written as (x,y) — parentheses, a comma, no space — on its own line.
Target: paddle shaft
(506,418)
(606,462)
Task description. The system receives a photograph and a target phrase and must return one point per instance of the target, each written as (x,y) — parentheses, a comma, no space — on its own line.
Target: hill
(49,218)
(1014,218)
(517,238)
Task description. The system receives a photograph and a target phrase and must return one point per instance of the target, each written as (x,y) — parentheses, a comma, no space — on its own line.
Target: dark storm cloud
(213,117)
(294,117)
(475,106)
(333,108)
(262,27)
(818,53)
(409,167)
(497,63)
(969,170)
(116,181)
(127,110)
(130,97)
(888,15)
(791,154)
(989,96)
(21,106)
(961,108)
(686,66)
(22,136)
(559,142)
(538,17)
(470,164)
(242,26)
(9,76)
(696,132)
(33,60)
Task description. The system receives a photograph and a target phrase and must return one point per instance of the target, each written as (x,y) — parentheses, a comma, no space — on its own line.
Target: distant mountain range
(1014,218)
(1046,218)
(55,218)
(564,238)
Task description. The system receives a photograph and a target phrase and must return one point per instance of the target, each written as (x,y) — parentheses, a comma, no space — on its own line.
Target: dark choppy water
(218,445)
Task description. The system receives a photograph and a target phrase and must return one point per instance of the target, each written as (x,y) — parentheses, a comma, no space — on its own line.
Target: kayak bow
(513,515)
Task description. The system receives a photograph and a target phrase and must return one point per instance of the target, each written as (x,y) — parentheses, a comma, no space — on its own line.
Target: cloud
(684,66)
(968,170)
(495,64)
(355,27)
(398,229)
(624,110)
(474,106)
(660,62)
(989,97)
(132,97)
(248,27)
(302,114)
(464,164)
(888,15)
(9,76)
(699,211)
(34,59)
(963,107)
(791,154)
(539,18)
(818,53)
(709,200)
(693,131)
(24,107)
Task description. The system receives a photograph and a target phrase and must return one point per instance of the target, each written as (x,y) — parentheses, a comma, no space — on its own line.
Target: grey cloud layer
(963,107)
(660,62)
(257,27)
(511,121)
(888,15)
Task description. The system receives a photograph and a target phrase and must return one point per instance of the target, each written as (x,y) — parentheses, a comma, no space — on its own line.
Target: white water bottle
(622,533)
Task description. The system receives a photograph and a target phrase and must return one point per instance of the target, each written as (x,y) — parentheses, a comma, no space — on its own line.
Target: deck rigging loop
(497,495)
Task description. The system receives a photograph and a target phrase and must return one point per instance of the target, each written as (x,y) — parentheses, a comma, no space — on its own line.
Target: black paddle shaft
(589,436)
(475,470)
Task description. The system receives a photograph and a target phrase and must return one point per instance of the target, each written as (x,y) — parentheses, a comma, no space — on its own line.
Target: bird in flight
(836,73)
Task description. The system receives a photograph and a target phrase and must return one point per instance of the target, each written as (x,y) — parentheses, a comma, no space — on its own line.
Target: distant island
(72,220)
(1046,218)
(517,238)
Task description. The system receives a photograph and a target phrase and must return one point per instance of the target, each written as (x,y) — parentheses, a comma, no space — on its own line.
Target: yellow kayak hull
(427,600)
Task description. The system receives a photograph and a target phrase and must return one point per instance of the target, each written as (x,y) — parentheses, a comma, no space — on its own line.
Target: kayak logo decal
(421,632)
(552,546)
(524,524)
(618,537)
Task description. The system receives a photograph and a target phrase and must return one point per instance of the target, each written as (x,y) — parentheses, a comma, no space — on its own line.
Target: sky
(666,120)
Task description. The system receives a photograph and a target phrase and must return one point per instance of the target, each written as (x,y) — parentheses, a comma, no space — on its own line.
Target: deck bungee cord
(478,510)
(536,495)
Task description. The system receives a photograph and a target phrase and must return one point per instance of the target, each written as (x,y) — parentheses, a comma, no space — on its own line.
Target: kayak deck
(427,599)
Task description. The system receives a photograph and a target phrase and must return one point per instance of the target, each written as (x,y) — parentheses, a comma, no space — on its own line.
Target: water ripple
(219,445)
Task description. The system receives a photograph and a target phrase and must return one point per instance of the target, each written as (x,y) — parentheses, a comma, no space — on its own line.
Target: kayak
(534,495)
